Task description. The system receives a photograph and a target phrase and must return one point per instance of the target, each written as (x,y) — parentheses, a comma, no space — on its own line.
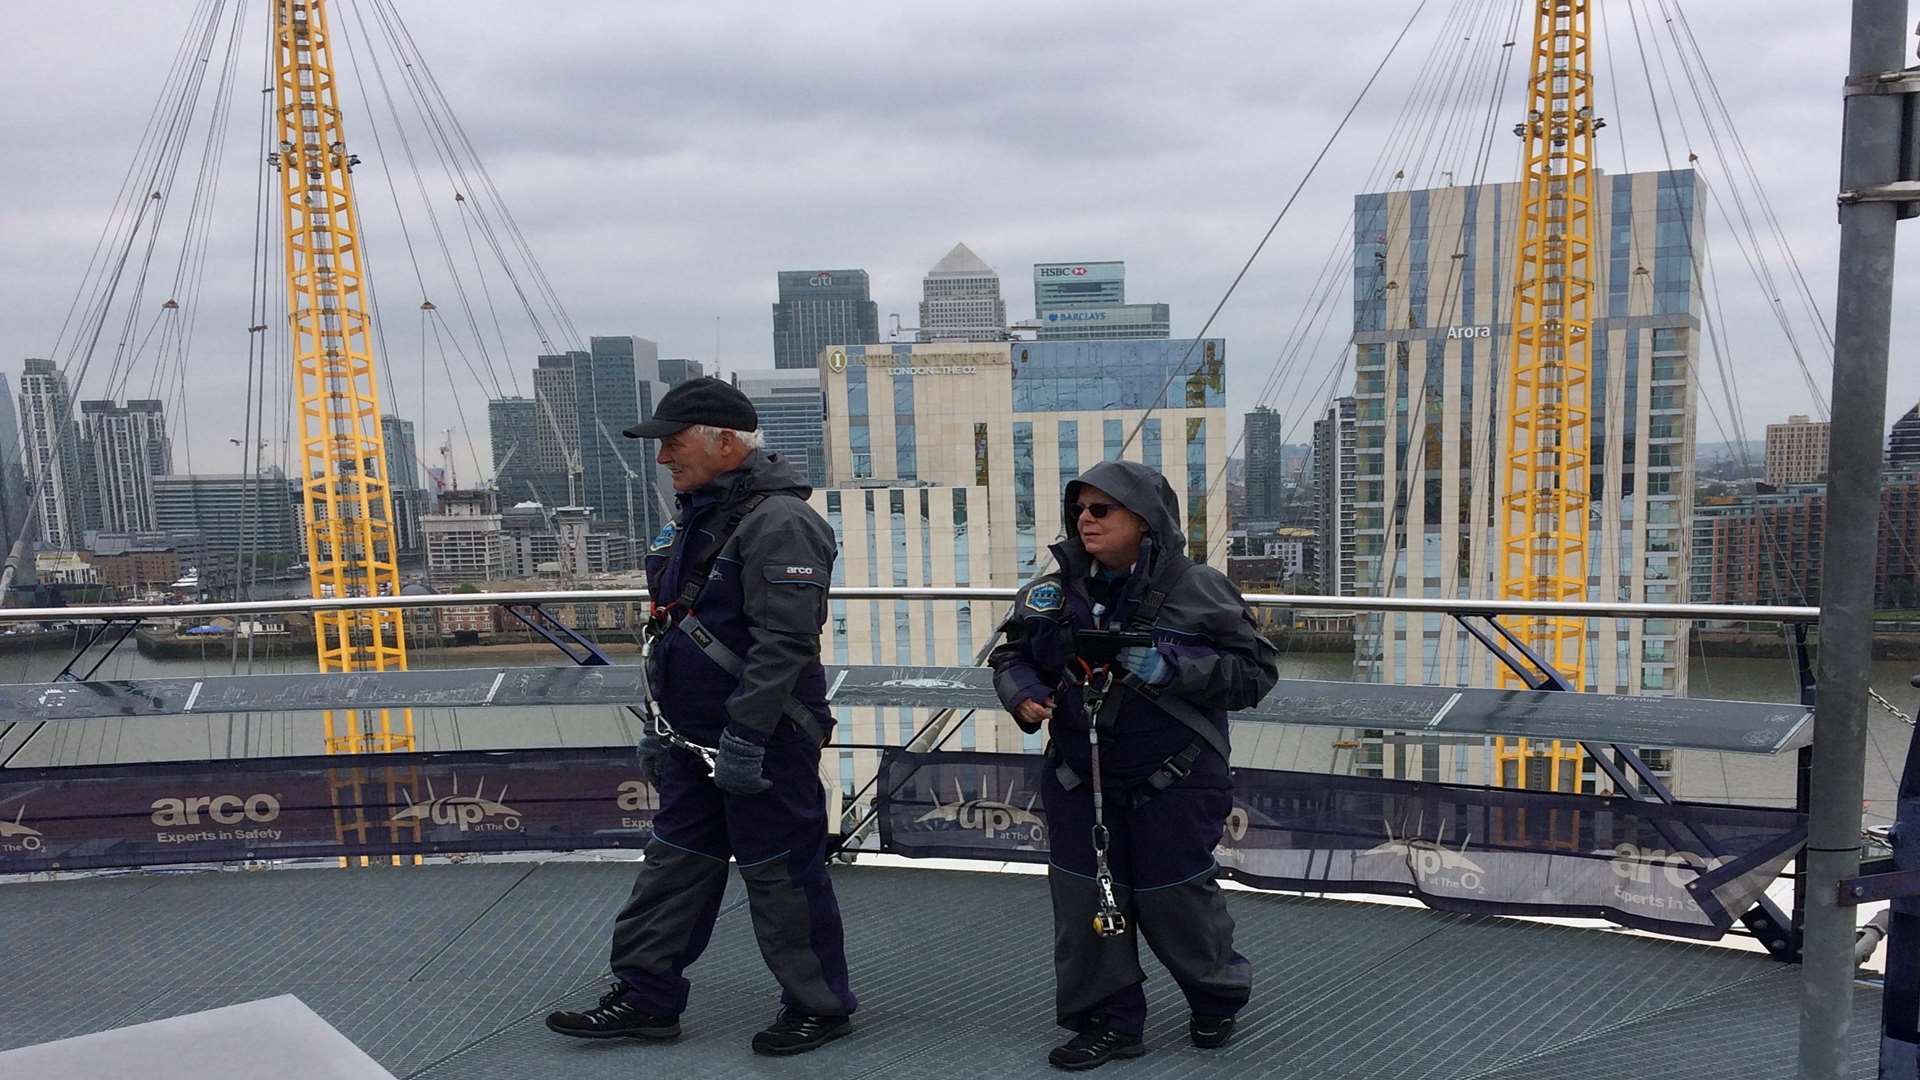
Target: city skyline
(669,274)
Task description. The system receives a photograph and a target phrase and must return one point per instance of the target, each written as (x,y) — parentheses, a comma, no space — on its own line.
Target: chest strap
(1159,588)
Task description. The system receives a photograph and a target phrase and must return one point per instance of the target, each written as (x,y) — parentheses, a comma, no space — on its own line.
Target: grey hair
(752,440)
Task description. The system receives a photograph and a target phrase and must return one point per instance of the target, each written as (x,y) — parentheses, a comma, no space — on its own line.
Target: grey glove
(738,767)
(652,751)
(1147,664)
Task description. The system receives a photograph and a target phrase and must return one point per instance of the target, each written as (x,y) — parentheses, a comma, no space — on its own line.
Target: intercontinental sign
(940,363)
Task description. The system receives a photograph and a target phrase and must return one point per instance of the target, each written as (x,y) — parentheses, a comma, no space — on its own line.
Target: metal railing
(1702,612)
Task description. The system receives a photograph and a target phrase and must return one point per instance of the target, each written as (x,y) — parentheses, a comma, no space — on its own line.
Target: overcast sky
(665,160)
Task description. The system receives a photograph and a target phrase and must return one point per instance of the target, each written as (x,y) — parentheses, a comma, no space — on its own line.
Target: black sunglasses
(1098,510)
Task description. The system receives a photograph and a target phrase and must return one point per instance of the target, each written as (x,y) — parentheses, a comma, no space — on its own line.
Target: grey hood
(760,472)
(773,473)
(1138,488)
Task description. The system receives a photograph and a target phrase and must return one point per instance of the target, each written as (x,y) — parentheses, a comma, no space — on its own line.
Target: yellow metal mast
(1543,524)
(344,486)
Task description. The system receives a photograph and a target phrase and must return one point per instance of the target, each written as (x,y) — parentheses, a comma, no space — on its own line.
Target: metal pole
(1869,157)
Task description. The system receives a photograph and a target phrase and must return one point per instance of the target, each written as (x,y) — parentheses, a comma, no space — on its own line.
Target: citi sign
(820,279)
(1454,332)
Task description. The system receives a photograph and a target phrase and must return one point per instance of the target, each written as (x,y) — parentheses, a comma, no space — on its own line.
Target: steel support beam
(1871,142)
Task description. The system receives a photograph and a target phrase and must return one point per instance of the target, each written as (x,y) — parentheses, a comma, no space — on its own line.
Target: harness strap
(1140,792)
(1171,771)
(1200,723)
(731,662)
(695,581)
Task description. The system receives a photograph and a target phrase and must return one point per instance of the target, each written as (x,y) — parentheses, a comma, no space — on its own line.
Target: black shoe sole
(801,1048)
(1121,1054)
(652,1034)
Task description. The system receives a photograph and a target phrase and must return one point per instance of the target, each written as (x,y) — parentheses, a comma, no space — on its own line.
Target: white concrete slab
(276,1037)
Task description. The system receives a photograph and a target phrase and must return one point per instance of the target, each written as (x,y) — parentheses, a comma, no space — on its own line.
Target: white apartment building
(946,465)
(1432,291)
(465,540)
(125,447)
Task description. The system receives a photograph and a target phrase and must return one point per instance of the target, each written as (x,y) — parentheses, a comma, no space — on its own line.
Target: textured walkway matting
(447,972)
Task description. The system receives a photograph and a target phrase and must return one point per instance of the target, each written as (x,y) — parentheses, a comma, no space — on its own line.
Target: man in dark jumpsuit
(1163,743)
(738,671)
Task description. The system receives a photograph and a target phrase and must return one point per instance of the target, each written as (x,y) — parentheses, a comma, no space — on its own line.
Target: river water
(1742,778)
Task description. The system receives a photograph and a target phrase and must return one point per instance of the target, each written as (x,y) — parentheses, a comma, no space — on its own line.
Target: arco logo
(219,809)
(635,795)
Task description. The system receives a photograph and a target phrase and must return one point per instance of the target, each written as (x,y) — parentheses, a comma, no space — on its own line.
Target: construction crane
(1543,518)
(446,459)
(351,549)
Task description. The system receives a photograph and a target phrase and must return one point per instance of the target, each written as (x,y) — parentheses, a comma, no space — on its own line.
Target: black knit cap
(698,401)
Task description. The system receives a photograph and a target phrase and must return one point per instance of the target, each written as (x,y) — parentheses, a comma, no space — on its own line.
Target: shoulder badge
(664,539)
(1045,598)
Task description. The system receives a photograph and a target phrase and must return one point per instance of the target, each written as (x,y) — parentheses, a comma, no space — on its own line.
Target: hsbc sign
(1061,271)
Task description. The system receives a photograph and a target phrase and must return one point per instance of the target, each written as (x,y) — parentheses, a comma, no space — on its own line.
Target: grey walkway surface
(447,971)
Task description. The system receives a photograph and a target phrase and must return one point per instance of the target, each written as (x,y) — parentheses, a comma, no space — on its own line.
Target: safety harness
(1105,713)
(677,614)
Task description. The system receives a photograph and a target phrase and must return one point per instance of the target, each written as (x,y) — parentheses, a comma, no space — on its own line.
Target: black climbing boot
(1096,1045)
(616,1017)
(794,1032)
(1210,1032)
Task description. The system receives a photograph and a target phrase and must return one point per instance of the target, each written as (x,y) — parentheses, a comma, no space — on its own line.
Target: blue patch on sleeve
(1045,597)
(664,539)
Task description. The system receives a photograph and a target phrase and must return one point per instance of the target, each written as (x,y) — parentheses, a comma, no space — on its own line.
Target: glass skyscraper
(1266,446)
(818,308)
(1903,444)
(512,430)
(792,417)
(675,370)
(1088,302)
(582,402)
(403,453)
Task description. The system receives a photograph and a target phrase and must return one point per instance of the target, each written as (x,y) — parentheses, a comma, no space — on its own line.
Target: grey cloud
(666,160)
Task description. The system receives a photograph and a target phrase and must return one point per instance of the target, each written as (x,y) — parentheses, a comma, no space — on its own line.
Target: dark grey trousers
(779,840)
(1162,858)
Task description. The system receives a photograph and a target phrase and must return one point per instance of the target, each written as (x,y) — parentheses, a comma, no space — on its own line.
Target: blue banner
(1455,848)
(1688,869)
(286,808)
